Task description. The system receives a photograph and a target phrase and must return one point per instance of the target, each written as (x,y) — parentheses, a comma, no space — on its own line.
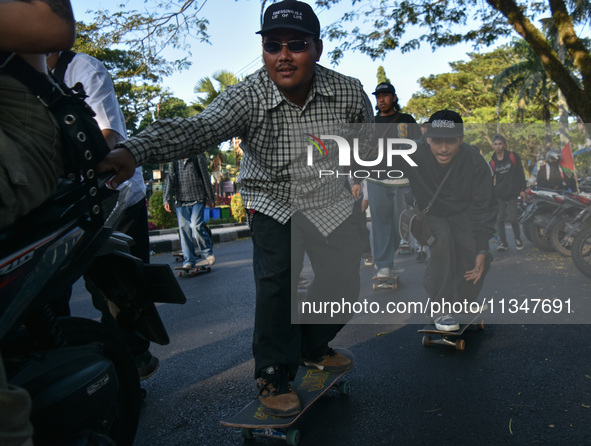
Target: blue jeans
(192,228)
(385,203)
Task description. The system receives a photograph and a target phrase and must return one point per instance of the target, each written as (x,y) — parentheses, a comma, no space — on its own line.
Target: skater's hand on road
(475,274)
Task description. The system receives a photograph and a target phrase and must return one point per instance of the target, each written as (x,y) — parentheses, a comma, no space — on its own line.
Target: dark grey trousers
(453,253)
(508,211)
(278,256)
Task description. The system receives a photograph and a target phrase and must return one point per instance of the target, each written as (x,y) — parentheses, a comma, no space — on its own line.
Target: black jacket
(469,190)
(509,175)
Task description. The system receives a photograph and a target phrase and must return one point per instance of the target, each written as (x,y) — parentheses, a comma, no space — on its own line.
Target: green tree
(170,107)
(135,82)
(158,215)
(446,23)
(207,90)
(468,88)
(150,33)
(528,79)
(382,75)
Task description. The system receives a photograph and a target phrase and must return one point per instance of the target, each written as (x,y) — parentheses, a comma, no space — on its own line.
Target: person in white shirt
(73,68)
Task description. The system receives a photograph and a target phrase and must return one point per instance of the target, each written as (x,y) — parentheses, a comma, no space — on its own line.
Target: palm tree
(206,85)
(528,80)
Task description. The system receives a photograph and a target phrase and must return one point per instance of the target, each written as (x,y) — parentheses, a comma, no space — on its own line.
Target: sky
(235,47)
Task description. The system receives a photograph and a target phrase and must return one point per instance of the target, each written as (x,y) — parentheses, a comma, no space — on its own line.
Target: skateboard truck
(389,283)
(202,267)
(451,338)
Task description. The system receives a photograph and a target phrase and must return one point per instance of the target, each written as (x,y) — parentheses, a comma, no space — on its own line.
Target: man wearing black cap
(286,221)
(462,218)
(386,195)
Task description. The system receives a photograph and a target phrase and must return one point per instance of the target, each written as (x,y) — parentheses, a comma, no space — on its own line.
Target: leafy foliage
(469,89)
(158,215)
(207,90)
(135,81)
(238,211)
(389,23)
(472,87)
(157,28)
(382,75)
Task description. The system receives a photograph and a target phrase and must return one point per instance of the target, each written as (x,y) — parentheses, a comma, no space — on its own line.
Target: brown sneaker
(331,362)
(276,394)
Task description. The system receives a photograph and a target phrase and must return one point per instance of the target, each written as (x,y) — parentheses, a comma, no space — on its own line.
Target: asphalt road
(516,384)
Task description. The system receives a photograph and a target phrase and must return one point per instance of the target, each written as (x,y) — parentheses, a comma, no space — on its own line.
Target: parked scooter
(579,237)
(537,215)
(80,374)
(568,221)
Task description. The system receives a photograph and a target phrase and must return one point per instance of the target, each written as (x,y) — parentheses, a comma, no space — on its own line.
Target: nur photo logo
(354,155)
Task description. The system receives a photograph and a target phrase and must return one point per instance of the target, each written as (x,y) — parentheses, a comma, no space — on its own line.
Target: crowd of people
(322,218)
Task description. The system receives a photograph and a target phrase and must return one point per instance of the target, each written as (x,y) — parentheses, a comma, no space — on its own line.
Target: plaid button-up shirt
(274,179)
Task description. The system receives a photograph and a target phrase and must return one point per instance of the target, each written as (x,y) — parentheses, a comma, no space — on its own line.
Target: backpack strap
(62,64)
(512,158)
(84,144)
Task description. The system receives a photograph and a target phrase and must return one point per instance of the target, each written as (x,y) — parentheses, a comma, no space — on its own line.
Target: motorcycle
(536,216)
(567,223)
(579,238)
(80,374)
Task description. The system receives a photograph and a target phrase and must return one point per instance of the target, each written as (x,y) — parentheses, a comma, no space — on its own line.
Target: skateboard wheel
(394,286)
(375,286)
(426,341)
(343,388)
(247,433)
(460,344)
(292,437)
(179,274)
(481,325)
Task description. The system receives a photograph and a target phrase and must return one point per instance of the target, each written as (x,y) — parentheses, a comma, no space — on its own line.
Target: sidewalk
(167,240)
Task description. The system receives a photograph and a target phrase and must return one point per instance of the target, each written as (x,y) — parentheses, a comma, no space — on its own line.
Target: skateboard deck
(310,384)
(452,338)
(179,257)
(405,250)
(201,267)
(389,283)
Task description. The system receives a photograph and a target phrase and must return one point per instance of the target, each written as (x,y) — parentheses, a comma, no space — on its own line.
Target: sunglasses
(294,46)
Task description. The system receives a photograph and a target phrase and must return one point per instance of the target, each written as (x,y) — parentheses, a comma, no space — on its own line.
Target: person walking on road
(386,195)
(189,188)
(509,184)
(79,68)
(286,221)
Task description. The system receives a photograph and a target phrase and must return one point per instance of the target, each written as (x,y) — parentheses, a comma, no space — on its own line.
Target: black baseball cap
(291,14)
(385,87)
(445,124)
